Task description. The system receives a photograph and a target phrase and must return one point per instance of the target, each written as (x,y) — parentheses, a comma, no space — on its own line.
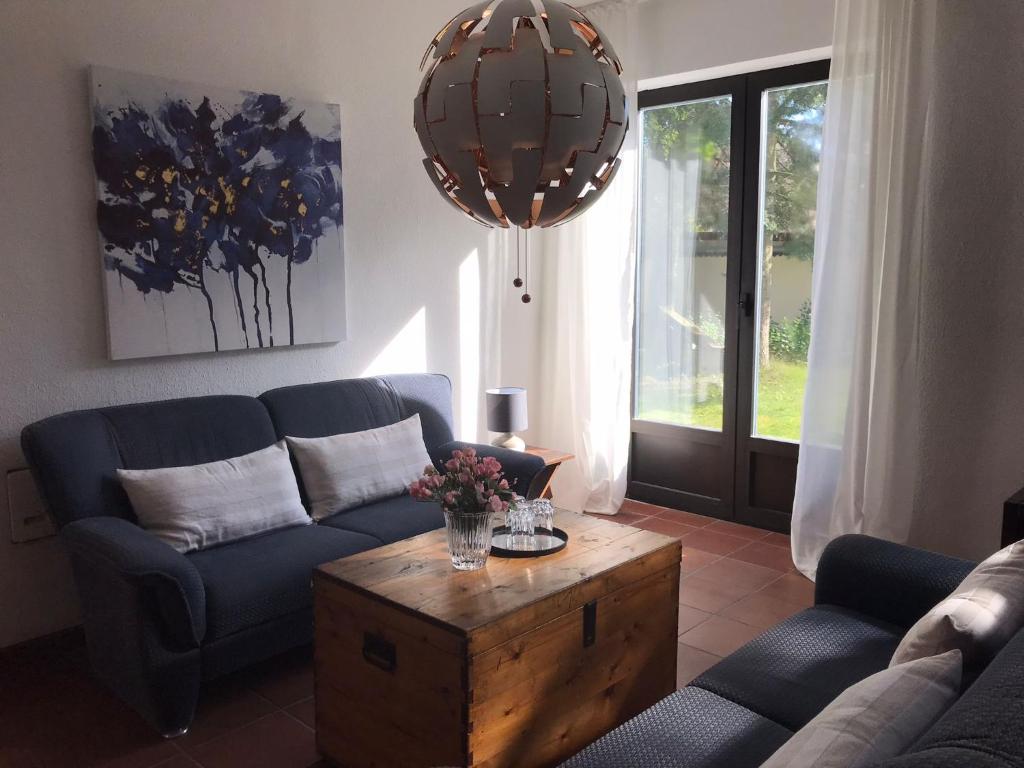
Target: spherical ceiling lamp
(521,113)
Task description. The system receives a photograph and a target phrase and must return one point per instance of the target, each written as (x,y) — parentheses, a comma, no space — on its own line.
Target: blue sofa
(158,622)
(868,593)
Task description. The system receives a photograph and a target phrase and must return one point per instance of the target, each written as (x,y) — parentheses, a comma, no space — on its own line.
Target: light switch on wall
(29,520)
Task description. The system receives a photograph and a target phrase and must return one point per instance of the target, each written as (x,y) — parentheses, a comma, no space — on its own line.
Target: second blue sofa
(158,622)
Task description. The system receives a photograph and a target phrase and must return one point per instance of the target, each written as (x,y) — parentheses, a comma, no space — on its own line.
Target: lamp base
(509,440)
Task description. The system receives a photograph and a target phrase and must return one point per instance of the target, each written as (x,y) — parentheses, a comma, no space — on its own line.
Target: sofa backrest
(354,405)
(74,456)
(429,395)
(984,726)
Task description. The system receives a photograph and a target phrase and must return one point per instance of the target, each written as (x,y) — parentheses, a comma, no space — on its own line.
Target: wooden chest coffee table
(519,664)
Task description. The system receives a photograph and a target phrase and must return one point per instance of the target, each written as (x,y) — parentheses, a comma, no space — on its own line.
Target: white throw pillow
(979,618)
(876,719)
(344,471)
(197,507)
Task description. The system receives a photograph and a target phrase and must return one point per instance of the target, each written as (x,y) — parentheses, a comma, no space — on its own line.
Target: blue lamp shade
(506,409)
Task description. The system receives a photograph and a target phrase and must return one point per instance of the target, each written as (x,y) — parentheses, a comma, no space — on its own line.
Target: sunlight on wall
(407,350)
(469,346)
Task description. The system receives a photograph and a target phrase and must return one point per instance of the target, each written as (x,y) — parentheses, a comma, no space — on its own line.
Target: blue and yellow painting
(220,217)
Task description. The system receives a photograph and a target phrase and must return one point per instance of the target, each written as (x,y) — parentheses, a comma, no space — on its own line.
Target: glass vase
(469,538)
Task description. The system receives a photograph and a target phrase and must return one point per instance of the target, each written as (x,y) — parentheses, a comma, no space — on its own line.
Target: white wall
(418,274)
(688,35)
(970,358)
(415,267)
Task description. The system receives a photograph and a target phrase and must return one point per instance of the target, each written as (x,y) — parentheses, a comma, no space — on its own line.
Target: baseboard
(72,638)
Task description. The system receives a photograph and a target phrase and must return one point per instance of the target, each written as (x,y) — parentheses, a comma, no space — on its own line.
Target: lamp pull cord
(518,282)
(526,283)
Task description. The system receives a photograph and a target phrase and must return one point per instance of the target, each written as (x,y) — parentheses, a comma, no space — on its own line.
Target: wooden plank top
(549,455)
(416,576)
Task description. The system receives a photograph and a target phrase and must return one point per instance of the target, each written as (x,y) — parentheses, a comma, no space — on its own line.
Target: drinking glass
(543,514)
(519,517)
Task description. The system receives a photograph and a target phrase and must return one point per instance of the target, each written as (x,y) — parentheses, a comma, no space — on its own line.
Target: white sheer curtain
(669,298)
(584,292)
(918,234)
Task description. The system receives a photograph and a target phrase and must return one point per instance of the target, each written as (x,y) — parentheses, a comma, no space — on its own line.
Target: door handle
(747,304)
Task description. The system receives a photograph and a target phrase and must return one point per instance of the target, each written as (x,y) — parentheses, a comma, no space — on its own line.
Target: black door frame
(740,449)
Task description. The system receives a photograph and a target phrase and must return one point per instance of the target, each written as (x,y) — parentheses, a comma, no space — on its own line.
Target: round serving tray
(543,542)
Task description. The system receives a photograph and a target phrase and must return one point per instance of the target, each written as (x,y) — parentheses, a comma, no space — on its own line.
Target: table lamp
(506,414)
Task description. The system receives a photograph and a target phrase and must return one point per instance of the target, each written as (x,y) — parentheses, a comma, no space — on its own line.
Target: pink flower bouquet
(470,484)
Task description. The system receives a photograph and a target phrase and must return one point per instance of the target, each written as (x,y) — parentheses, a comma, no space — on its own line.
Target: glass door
(786,115)
(685,364)
(728,192)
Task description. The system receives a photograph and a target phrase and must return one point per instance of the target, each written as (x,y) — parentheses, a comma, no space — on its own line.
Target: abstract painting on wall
(220,217)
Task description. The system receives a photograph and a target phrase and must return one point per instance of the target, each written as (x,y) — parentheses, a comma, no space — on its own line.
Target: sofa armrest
(892,582)
(1013,519)
(144,561)
(520,468)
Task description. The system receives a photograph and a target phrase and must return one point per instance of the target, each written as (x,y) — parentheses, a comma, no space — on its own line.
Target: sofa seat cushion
(262,578)
(792,671)
(692,728)
(389,520)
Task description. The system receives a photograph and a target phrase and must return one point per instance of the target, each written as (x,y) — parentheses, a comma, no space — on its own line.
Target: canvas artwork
(220,217)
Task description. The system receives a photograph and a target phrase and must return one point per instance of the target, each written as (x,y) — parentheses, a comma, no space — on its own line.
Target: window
(728,190)
(790,153)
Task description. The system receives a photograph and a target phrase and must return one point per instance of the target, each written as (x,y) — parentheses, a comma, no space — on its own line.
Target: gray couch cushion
(692,728)
(74,456)
(987,720)
(257,580)
(389,520)
(429,395)
(74,460)
(792,671)
(195,430)
(353,405)
(332,407)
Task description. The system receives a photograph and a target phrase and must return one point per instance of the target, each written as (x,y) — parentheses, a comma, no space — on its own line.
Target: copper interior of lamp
(585,31)
(589,134)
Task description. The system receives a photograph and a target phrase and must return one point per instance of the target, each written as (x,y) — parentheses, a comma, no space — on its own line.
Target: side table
(540,488)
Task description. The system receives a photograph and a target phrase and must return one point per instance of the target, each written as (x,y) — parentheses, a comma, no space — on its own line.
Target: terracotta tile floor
(736,581)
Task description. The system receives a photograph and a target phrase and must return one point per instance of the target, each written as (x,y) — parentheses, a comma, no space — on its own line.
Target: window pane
(681,279)
(791,131)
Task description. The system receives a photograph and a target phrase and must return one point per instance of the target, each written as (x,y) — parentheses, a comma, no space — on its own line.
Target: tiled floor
(52,715)
(736,581)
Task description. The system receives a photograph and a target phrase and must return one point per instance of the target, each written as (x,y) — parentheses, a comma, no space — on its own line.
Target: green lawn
(780,402)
